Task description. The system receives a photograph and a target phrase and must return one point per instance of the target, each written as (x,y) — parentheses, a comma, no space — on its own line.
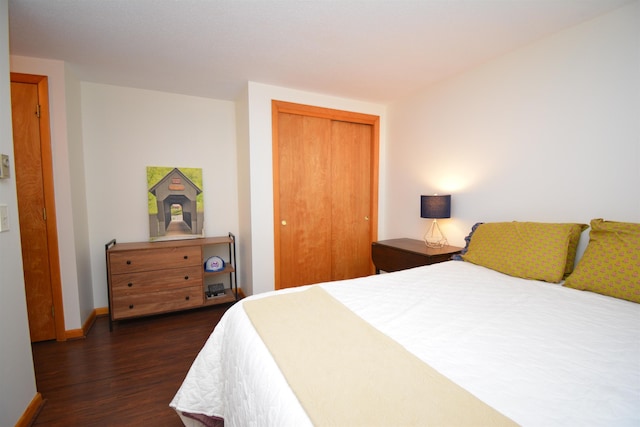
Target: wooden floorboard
(122,378)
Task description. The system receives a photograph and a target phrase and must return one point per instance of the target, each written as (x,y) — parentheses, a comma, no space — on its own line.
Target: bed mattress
(539,353)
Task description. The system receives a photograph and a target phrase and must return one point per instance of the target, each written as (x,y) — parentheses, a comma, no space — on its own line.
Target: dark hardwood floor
(122,378)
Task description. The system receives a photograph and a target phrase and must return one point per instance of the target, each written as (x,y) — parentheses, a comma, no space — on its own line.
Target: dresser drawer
(157,302)
(159,280)
(154,259)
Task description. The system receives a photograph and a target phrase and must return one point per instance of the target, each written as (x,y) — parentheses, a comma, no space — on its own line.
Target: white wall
(550,132)
(77,177)
(244,238)
(260,168)
(124,131)
(17,378)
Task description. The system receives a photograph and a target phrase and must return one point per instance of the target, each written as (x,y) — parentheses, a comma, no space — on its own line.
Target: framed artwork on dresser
(175,200)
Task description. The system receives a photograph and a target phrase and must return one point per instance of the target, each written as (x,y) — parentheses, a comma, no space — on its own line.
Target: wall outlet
(4,218)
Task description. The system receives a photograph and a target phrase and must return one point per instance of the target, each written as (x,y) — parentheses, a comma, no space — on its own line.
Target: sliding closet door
(304,223)
(325,194)
(351,200)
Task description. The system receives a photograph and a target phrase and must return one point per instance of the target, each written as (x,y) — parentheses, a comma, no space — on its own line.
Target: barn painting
(175,199)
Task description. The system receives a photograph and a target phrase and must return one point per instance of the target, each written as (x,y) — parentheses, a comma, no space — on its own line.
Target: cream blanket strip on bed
(345,372)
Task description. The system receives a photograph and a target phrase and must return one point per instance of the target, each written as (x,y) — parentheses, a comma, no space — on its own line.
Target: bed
(518,350)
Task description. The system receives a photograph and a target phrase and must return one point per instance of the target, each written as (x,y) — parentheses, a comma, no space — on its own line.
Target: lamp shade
(435,206)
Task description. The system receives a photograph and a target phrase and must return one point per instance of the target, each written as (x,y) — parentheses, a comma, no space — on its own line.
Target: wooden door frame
(42,83)
(278,107)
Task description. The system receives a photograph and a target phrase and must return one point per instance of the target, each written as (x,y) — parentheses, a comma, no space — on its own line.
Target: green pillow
(530,250)
(611,262)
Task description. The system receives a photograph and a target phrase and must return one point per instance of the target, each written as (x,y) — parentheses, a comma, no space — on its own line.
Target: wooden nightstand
(400,254)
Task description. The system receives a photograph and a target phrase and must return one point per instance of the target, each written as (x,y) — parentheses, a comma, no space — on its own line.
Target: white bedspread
(541,354)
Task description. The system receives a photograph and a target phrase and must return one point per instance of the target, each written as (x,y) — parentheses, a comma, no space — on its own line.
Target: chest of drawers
(147,278)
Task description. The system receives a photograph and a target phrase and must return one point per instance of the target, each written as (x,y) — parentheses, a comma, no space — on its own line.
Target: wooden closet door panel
(351,200)
(304,158)
(31,208)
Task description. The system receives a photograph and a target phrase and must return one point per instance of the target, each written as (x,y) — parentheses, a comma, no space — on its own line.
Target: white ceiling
(372,50)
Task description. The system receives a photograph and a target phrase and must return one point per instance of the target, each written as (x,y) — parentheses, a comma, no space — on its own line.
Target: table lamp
(435,207)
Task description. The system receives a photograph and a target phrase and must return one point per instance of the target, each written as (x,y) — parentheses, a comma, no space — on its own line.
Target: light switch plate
(4,218)
(4,166)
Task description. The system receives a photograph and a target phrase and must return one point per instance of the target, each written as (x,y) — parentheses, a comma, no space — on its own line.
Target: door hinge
(44,213)
(53,311)
(38,110)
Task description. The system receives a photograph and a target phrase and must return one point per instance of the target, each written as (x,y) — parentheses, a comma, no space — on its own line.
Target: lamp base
(434,238)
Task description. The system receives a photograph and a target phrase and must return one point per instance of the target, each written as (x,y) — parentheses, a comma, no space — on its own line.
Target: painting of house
(175,203)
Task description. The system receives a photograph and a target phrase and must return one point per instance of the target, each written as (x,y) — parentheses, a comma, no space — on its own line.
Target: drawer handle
(130,306)
(187,298)
(129,284)
(128,262)
(186,277)
(186,257)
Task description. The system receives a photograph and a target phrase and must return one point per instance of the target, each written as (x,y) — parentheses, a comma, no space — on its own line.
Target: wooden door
(325,194)
(351,200)
(305,199)
(36,210)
